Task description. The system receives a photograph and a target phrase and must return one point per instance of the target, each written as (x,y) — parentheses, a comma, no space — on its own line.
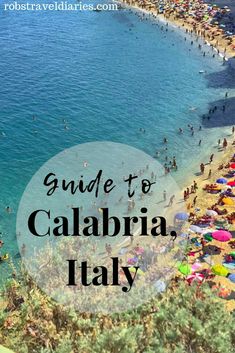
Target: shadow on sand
(224,115)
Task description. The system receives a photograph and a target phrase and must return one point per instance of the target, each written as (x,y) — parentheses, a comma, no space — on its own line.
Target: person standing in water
(164,195)
(225,143)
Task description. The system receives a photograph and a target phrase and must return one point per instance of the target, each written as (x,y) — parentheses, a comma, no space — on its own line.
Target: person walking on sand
(211,158)
(187,192)
(202,168)
(194,201)
(171,200)
(225,143)
(209,174)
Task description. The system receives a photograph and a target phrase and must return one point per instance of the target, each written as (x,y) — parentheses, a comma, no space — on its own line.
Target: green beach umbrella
(208,236)
(185,269)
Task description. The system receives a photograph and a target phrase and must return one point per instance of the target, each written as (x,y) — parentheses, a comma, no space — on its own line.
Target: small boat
(97,10)
(202,72)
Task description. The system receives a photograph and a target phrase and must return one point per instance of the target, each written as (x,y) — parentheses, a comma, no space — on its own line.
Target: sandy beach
(195,17)
(205,201)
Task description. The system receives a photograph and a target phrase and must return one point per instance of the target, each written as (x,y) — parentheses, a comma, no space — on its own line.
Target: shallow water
(108,74)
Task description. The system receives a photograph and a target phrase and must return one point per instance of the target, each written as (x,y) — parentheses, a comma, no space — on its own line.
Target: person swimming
(8,209)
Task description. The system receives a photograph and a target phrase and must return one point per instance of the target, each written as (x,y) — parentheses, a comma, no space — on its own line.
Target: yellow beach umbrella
(227,201)
(139,272)
(220,270)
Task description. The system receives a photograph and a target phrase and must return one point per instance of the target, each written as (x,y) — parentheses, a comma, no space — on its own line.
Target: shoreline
(181,26)
(187,26)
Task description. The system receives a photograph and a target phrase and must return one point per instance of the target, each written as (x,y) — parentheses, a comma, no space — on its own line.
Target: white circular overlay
(95,227)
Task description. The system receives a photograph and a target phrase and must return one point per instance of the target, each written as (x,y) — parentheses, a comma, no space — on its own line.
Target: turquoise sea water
(108,74)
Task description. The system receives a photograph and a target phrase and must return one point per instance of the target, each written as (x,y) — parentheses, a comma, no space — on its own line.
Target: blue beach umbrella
(221,181)
(229,265)
(160,286)
(182,216)
(184,235)
(231,277)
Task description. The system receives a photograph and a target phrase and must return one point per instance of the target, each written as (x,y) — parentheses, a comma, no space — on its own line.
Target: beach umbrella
(229,265)
(184,235)
(132,260)
(231,183)
(182,216)
(139,250)
(196,266)
(208,236)
(122,251)
(219,270)
(232,165)
(227,201)
(231,277)
(195,277)
(211,213)
(222,235)
(221,222)
(196,229)
(139,272)
(160,286)
(185,269)
(221,181)
(222,292)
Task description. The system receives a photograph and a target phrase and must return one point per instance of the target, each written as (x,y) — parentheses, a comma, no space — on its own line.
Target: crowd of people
(202,19)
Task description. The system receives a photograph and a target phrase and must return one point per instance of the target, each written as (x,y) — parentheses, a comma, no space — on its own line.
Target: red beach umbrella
(232,165)
(231,183)
(222,235)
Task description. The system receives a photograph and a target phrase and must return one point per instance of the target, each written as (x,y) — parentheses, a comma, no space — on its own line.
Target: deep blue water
(108,74)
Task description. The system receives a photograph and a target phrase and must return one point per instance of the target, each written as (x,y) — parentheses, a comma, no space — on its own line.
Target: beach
(205,201)
(194,17)
(154,76)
